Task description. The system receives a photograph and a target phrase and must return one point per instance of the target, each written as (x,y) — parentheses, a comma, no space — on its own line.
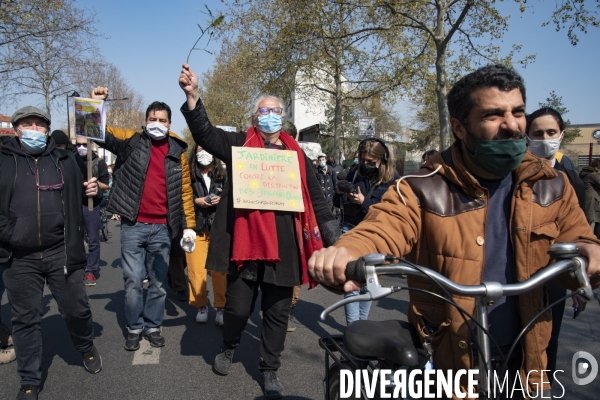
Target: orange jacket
(442,227)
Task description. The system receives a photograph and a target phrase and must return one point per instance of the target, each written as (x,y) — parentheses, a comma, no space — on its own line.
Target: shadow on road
(115,305)
(56,342)
(308,313)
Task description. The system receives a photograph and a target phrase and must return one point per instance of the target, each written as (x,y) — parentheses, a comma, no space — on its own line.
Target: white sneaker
(202,315)
(219,317)
(7,355)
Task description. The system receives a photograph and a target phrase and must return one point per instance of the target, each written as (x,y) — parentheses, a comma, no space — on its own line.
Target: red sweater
(153,207)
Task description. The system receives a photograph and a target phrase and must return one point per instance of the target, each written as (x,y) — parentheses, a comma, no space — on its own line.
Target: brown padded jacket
(442,227)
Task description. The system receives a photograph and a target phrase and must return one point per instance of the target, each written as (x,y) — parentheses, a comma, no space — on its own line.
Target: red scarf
(254,231)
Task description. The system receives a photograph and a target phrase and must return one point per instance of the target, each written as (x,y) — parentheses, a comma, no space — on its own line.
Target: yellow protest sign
(266,179)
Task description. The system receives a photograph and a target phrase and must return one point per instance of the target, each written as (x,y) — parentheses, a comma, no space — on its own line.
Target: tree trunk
(337,118)
(440,74)
(440,90)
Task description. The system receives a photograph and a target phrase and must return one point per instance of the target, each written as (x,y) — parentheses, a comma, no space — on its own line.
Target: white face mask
(156,130)
(545,148)
(82,150)
(204,157)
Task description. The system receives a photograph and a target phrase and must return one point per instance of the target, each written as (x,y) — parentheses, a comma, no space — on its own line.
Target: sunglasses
(266,110)
(57,186)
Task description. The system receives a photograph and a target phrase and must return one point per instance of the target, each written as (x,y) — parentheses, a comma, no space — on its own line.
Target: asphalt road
(182,369)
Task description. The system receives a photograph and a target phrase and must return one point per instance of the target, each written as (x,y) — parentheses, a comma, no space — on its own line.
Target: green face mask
(499,157)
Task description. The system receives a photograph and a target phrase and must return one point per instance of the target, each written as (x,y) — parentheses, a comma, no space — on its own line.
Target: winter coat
(205,216)
(591,178)
(564,164)
(218,143)
(73,197)
(128,185)
(354,213)
(442,227)
(328,180)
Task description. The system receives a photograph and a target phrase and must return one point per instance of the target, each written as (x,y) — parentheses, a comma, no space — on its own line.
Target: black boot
(291,325)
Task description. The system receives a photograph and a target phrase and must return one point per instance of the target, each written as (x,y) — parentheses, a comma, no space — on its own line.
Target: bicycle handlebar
(356,270)
(367,268)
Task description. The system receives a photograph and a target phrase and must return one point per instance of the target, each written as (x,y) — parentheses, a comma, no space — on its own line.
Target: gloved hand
(188,241)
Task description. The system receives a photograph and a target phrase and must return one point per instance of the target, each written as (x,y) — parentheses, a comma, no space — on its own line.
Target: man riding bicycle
(485,209)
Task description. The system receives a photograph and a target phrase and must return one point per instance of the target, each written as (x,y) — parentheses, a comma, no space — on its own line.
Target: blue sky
(148,41)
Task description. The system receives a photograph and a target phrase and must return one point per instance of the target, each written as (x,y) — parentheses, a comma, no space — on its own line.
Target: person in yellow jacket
(208,180)
(152,193)
(484,209)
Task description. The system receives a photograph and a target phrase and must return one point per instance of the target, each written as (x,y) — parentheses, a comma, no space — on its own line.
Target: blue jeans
(25,279)
(92,226)
(357,310)
(145,251)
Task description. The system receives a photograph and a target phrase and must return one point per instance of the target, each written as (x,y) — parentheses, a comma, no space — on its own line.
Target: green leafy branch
(210,30)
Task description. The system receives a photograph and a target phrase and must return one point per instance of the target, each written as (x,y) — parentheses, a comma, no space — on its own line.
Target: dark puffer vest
(130,177)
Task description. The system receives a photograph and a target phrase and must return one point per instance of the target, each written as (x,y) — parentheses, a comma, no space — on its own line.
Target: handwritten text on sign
(265,179)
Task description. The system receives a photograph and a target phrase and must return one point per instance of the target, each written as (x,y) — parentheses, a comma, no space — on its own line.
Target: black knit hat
(60,137)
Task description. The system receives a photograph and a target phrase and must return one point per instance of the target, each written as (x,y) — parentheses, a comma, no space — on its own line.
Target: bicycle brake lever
(580,273)
(375,292)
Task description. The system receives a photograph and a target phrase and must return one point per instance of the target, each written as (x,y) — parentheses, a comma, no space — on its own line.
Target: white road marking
(146,354)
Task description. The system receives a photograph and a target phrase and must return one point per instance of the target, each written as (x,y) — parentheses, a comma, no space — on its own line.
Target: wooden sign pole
(89,172)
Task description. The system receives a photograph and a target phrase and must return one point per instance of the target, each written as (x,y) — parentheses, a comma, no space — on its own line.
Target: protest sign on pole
(366,127)
(90,122)
(90,118)
(266,179)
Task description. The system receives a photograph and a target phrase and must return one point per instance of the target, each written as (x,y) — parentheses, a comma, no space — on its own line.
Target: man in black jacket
(153,195)
(41,241)
(335,167)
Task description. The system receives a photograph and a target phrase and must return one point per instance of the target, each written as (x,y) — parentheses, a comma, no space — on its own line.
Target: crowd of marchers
(485,209)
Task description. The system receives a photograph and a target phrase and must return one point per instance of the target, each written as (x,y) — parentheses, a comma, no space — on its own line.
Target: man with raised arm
(152,193)
(259,248)
(484,209)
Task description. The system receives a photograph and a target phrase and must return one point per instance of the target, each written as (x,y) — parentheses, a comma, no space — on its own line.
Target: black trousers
(24,280)
(275,304)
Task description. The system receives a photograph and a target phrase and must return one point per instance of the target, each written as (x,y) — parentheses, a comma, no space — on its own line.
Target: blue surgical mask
(322,164)
(356,161)
(33,141)
(269,123)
